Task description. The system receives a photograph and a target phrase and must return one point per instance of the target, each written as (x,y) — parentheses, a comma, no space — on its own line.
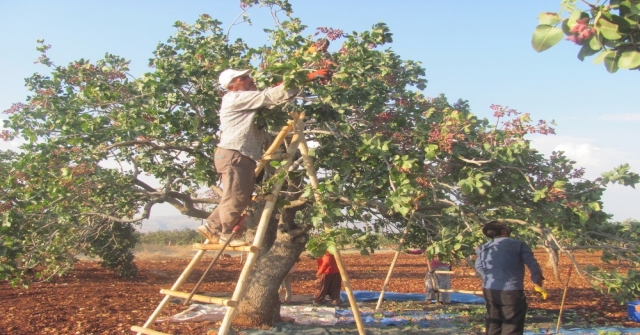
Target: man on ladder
(240,148)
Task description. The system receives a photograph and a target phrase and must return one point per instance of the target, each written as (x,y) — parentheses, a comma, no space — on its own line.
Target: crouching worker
(240,148)
(441,281)
(328,280)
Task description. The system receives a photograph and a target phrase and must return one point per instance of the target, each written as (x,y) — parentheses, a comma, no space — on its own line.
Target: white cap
(227,76)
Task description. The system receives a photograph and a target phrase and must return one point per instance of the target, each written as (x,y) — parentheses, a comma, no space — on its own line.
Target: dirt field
(93,301)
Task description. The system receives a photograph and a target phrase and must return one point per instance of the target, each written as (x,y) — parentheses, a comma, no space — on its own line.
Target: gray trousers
(237,173)
(442,281)
(506,312)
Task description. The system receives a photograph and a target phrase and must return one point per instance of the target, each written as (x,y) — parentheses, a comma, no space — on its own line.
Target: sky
(473,50)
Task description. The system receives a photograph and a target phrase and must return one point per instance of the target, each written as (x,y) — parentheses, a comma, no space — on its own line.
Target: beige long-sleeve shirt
(237,113)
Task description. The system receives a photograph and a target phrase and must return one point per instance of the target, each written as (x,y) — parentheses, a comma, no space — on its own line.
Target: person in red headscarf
(328,280)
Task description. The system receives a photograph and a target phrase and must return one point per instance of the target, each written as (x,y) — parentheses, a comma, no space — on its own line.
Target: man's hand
(543,293)
(322,73)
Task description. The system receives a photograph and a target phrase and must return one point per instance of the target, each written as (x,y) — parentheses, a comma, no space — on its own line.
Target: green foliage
(170,237)
(621,175)
(47,208)
(331,239)
(116,256)
(609,30)
(386,154)
(623,287)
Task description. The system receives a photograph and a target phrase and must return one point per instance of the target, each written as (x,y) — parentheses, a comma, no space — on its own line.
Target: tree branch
(151,144)
(112,218)
(478,163)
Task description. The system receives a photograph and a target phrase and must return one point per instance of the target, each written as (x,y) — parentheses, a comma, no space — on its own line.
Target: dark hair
(494,228)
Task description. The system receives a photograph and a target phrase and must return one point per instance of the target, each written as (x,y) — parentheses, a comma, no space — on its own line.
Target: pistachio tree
(608,30)
(387,156)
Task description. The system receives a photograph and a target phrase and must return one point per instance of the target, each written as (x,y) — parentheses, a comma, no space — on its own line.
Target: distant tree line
(183,236)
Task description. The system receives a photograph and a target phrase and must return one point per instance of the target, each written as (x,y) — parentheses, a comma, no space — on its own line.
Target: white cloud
(627,117)
(10,145)
(618,200)
(586,152)
(621,201)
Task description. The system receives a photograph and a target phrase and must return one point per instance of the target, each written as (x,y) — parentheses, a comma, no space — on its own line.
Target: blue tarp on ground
(589,331)
(363,296)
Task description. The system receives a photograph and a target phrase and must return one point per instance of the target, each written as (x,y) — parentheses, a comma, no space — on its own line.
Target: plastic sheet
(588,331)
(308,315)
(198,312)
(633,311)
(303,315)
(422,319)
(363,296)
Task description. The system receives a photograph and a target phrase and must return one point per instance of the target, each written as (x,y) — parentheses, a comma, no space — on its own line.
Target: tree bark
(281,250)
(554,256)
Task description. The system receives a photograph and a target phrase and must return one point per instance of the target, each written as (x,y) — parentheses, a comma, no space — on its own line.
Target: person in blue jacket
(500,264)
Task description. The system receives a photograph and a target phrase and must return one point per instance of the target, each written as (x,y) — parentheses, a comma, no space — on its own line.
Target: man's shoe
(208,234)
(235,242)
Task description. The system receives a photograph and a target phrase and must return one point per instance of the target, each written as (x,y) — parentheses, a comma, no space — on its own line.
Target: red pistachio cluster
(16,107)
(332,34)
(580,31)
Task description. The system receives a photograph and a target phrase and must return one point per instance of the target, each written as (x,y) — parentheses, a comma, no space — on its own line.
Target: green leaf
(611,62)
(340,76)
(560,184)
(601,56)
(549,18)
(407,164)
(629,59)
(575,16)
(431,151)
(545,36)
(586,51)
(331,248)
(594,43)
(608,29)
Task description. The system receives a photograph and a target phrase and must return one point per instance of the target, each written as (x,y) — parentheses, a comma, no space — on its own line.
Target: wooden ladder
(298,142)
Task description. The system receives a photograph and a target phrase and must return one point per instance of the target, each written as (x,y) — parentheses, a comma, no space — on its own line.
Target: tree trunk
(554,256)
(281,249)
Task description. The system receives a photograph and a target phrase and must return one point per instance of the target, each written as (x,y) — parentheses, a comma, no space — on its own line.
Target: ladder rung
(446,290)
(202,246)
(275,156)
(201,298)
(147,331)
